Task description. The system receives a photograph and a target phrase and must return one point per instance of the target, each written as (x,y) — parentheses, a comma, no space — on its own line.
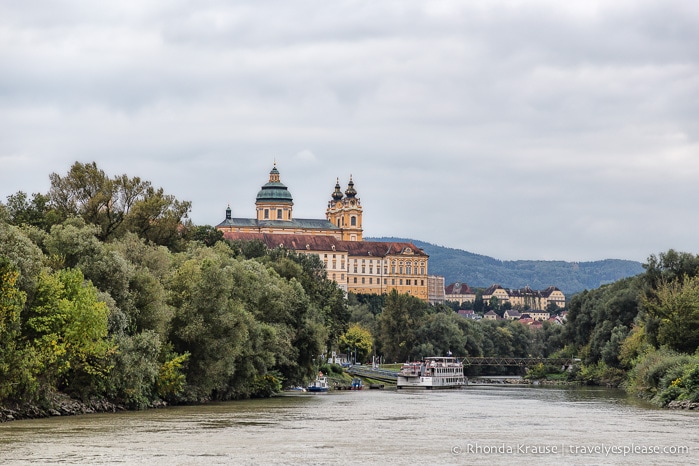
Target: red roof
(328,243)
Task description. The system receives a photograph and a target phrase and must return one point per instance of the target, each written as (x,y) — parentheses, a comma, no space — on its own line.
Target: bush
(663,376)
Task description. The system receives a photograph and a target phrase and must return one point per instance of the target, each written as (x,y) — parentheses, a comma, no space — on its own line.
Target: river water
(474,425)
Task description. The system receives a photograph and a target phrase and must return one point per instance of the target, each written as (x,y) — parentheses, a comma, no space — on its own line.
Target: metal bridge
(391,376)
(517,362)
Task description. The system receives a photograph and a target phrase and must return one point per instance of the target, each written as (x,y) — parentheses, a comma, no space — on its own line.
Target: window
(363,269)
(355,269)
(279,214)
(400,282)
(393,281)
(353,221)
(362,280)
(385,281)
(355,279)
(370,280)
(422,282)
(407,282)
(385,270)
(266,213)
(408,270)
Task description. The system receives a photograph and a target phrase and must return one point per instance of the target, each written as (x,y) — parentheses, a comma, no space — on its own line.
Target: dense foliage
(107,291)
(643,332)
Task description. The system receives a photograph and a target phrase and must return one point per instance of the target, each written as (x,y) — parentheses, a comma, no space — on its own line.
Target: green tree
(441,334)
(36,212)
(11,304)
(359,339)
(68,327)
(398,324)
(676,307)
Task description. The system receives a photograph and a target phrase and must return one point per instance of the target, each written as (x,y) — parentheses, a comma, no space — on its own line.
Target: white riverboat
(432,373)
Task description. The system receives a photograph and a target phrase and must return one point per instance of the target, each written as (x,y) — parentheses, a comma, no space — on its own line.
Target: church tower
(274,201)
(345,212)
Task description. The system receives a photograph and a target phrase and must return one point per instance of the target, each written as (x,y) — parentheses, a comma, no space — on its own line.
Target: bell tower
(345,212)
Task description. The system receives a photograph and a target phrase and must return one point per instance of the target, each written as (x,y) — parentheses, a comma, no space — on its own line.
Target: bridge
(517,362)
(385,375)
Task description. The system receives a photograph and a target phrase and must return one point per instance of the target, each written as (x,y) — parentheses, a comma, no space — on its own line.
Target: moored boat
(357,384)
(320,384)
(432,373)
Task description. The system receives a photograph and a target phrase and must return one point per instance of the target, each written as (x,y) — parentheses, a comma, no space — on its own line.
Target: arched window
(353,221)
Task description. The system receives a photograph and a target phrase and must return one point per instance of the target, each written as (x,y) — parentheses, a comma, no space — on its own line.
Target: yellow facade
(356,265)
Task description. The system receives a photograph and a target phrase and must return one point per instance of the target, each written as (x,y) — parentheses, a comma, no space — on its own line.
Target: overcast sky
(515,129)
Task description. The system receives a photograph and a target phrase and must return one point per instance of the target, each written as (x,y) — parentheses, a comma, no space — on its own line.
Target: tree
(119,203)
(37,212)
(398,324)
(11,304)
(68,327)
(676,307)
(441,334)
(359,339)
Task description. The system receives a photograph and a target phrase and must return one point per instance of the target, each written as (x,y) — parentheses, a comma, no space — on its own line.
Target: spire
(337,195)
(274,173)
(351,192)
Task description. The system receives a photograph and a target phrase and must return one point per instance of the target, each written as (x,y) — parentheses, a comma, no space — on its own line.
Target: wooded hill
(456,265)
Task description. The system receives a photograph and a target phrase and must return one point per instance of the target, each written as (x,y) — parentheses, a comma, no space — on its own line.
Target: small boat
(357,384)
(320,384)
(432,373)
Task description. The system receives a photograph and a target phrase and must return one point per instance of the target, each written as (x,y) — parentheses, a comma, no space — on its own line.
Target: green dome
(275,192)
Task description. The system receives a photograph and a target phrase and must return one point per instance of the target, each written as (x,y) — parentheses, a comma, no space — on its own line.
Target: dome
(274,191)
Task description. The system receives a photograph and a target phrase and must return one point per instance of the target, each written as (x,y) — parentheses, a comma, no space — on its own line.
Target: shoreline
(59,405)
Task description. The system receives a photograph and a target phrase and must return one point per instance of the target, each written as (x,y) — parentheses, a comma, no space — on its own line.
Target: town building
(523,298)
(435,289)
(459,292)
(357,266)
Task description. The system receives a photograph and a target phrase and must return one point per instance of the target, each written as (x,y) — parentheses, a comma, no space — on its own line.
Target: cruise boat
(320,384)
(432,373)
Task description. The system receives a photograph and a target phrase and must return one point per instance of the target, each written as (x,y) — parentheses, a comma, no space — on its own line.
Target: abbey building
(356,265)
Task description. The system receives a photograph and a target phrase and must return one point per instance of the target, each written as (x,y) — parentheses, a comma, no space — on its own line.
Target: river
(474,425)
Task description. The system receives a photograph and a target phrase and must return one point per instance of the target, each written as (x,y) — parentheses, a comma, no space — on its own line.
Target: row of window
(280,214)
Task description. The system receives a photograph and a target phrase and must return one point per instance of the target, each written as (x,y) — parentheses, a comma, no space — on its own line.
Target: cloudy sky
(516,129)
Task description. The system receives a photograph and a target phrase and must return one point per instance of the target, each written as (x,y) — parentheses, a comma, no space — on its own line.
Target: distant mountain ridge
(457,265)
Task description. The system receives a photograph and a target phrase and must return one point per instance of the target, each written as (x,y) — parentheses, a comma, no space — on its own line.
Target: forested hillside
(456,265)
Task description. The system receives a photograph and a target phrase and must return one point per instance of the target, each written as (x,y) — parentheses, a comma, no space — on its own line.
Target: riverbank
(59,405)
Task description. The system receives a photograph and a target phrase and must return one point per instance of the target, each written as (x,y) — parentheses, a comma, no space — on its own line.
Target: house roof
(316,224)
(329,243)
(458,288)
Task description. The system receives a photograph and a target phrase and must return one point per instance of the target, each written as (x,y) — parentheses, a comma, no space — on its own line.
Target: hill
(482,271)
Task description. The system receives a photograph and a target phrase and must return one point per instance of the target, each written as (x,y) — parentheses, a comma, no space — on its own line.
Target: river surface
(474,425)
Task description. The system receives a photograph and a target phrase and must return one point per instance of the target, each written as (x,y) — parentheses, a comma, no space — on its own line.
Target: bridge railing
(517,362)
